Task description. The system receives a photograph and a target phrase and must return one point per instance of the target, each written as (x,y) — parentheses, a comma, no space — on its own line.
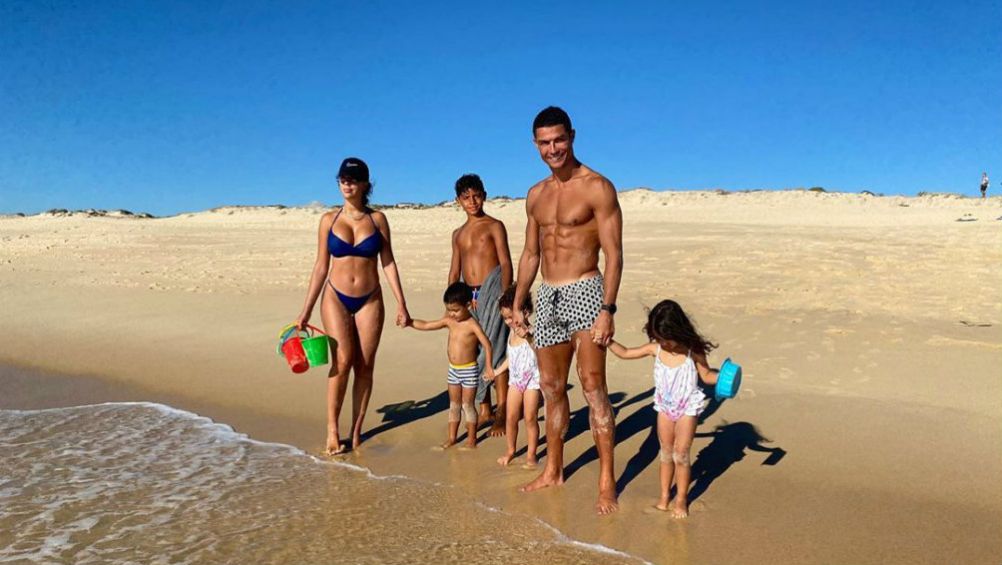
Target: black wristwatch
(610,308)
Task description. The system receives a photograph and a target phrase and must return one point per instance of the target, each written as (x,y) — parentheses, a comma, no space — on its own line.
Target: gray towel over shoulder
(489,317)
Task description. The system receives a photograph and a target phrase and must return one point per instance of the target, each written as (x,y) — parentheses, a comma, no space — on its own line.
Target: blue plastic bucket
(728,381)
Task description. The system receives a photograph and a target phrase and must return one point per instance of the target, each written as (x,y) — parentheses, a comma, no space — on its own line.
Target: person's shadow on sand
(727,448)
(400,413)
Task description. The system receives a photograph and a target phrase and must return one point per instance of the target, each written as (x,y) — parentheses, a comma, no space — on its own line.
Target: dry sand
(869,328)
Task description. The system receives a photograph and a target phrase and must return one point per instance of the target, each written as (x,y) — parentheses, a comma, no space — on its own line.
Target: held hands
(522,331)
(403,317)
(603,329)
(521,325)
(489,375)
(518,318)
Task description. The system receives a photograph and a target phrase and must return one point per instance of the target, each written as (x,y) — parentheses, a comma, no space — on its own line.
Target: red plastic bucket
(295,355)
(291,346)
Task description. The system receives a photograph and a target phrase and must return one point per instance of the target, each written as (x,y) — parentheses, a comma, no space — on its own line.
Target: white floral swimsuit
(523,372)
(676,389)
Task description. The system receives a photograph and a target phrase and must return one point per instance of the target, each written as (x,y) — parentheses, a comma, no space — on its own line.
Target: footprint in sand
(785,373)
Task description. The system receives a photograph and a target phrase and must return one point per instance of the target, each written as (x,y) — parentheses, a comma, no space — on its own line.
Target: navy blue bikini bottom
(352,303)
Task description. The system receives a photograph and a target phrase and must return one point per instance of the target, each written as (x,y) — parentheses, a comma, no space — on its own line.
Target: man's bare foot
(497,429)
(545,479)
(607,502)
(505,459)
(680,509)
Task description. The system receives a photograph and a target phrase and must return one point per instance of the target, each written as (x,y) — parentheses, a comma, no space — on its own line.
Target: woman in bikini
(351,241)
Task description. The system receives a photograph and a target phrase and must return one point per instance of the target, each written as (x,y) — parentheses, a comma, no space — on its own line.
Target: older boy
(464,337)
(481,259)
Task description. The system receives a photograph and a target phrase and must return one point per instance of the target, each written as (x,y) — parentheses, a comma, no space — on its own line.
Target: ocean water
(147,483)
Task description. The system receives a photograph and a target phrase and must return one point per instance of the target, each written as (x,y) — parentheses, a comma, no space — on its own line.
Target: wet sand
(870,330)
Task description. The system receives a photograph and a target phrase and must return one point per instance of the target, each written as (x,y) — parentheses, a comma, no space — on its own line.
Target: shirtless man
(571,215)
(480,255)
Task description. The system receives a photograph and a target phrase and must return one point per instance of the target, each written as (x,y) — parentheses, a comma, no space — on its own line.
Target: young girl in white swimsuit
(679,363)
(523,381)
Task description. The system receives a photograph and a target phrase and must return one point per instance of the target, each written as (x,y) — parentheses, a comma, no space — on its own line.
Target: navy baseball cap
(354,168)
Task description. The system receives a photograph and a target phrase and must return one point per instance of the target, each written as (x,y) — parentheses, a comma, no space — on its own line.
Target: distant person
(464,336)
(523,381)
(679,364)
(481,259)
(572,215)
(350,243)
(984,184)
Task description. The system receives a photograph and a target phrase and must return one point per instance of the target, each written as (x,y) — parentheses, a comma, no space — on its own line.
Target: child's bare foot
(505,459)
(356,440)
(471,443)
(680,509)
(448,443)
(545,479)
(530,464)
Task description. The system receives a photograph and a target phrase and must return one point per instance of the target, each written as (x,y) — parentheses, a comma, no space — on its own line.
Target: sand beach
(868,428)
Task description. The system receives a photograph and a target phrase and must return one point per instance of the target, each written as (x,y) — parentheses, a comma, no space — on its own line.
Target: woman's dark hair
(458,293)
(551,116)
(469,181)
(507,300)
(367,193)
(667,320)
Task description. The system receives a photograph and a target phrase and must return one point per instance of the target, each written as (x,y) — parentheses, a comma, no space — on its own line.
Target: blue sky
(188,105)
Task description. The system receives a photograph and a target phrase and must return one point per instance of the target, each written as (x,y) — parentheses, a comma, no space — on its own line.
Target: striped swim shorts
(464,375)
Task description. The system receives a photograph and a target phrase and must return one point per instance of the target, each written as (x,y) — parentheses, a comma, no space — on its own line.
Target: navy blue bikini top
(368,247)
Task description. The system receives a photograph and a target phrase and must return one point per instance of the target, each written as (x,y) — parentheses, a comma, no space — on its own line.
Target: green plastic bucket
(317,348)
